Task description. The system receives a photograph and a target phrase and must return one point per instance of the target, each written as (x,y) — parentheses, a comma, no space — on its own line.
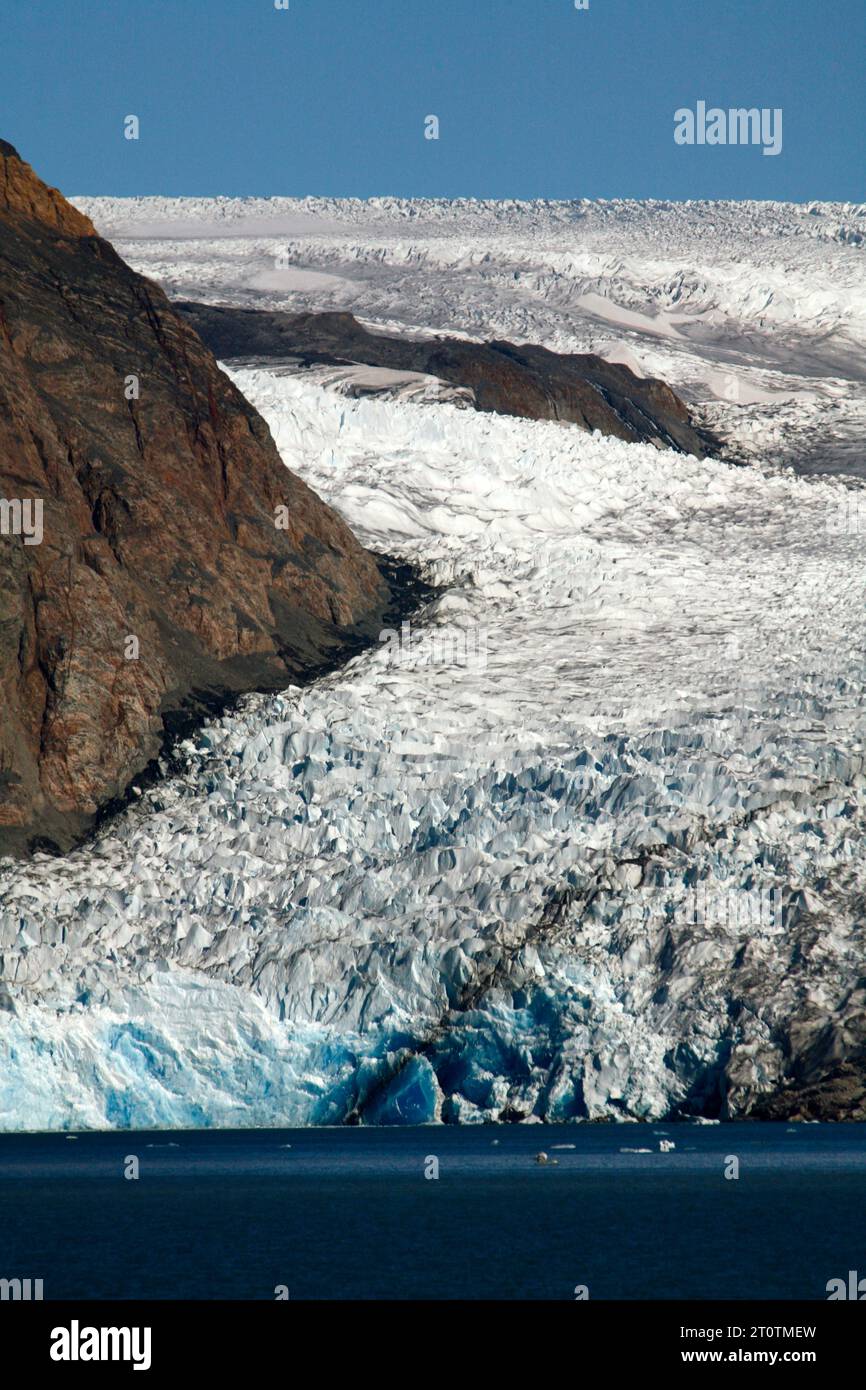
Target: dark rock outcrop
(175,562)
(526,381)
(840,1094)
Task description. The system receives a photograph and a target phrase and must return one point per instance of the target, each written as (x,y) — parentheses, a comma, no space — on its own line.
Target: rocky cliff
(155,554)
(526,381)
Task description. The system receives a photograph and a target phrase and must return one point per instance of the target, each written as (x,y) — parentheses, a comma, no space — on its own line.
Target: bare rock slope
(526,381)
(156,556)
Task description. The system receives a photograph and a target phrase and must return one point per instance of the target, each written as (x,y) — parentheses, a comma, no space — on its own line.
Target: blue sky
(534,98)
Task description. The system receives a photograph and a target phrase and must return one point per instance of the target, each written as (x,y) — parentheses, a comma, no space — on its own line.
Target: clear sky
(534,97)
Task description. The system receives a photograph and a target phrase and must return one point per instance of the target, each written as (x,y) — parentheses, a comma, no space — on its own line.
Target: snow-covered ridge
(114,216)
(587,243)
(754,312)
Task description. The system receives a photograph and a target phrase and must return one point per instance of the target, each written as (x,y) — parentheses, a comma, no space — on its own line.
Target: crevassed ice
(428,888)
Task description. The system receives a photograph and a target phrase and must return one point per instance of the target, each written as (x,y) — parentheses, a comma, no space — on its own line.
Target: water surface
(349,1213)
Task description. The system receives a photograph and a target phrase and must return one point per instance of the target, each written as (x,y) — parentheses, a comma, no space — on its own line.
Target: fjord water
(349,1213)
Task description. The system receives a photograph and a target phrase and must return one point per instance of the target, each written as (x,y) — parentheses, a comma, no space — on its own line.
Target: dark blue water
(349,1213)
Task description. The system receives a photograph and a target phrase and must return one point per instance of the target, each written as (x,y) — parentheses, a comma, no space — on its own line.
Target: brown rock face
(155,554)
(504,378)
(838,1095)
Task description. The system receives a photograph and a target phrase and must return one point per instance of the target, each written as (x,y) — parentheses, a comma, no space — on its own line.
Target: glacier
(424,890)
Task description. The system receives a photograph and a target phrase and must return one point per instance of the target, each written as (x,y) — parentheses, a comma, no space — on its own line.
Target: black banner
(170,1338)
